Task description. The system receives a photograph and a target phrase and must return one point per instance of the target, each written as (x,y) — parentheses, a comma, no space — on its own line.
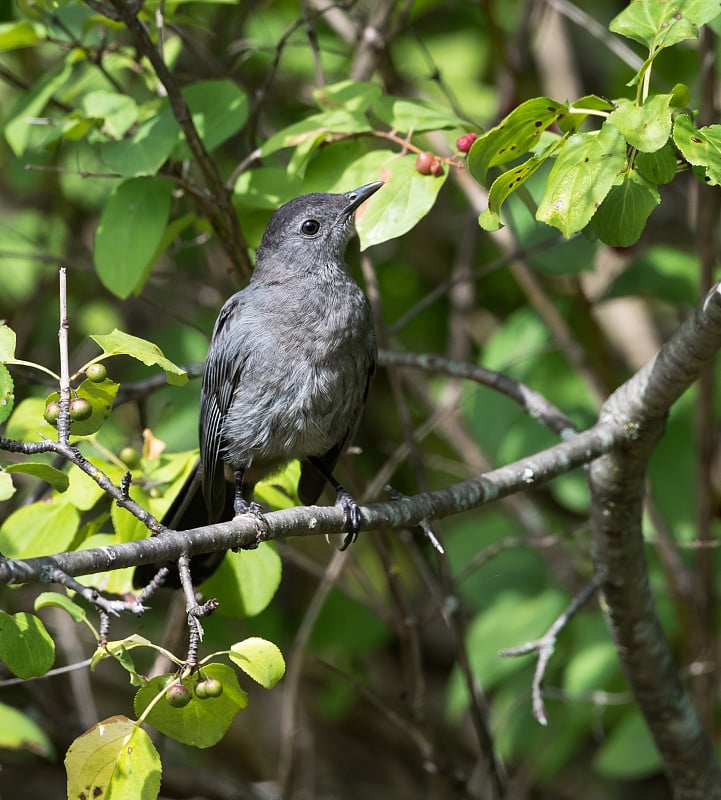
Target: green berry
(130,457)
(80,409)
(52,412)
(96,373)
(213,687)
(177,695)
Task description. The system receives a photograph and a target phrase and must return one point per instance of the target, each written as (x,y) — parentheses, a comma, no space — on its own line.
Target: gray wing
(311,482)
(223,370)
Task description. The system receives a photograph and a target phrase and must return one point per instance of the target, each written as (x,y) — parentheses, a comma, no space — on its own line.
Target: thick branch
(314,520)
(617,484)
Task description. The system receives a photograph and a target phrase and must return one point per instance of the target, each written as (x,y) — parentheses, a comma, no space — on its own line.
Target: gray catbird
(287,372)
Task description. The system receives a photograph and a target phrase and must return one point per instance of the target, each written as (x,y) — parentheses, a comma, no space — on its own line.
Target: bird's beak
(360,195)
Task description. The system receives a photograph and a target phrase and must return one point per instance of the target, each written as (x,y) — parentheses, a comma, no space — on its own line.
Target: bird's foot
(242,507)
(351,516)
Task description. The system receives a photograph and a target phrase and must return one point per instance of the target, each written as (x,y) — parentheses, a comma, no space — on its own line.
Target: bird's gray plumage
(291,355)
(287,373)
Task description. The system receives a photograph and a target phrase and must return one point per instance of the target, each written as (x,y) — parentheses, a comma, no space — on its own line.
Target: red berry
(436,168)
(463,143)
(424,162)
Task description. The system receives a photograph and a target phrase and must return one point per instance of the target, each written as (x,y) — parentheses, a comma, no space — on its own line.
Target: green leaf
(646,127)
(245,582)
(45,472)
(571,122)
(18,34)
(7,393)
(259,659)
(219,109)
(18,129)
(101,397)
(628,751)
(509,182)
(700,147)
(666,273)
(662,23)
(118,343)
(57,600)
(515,135)
(202,723)
(20,732)
(146,150)
(26,422)
(118,112)
(266,188)
(312,130)
(129,232)
(350,95)
(39,529)
(115,759)
(7,342)
(403,115)
(26,648)
(405,199)
(7,488)
(658,167)
(582,176)
(621,217)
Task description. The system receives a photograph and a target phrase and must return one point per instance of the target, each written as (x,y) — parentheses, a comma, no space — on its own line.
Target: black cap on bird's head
(313,227)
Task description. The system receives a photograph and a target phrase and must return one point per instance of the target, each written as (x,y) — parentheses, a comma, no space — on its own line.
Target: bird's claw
(261,523)
(351,517)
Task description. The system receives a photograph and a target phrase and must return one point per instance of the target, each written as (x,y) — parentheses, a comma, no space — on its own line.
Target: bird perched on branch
(288,370)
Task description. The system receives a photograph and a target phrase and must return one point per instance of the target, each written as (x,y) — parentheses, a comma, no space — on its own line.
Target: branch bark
(617,485)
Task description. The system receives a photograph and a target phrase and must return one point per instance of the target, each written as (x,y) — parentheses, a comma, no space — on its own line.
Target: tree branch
(617,486)
(316,520)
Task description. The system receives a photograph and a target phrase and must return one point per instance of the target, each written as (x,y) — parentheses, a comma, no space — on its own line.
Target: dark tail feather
(187,511)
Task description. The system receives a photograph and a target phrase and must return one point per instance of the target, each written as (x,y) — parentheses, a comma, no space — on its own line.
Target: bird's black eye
(310,227)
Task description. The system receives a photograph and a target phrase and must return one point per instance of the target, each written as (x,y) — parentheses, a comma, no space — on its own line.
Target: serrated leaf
(129,232)
(26,648)
(582,176)
(700,147)
(646,127)
(57,600)
(245,582)
(509,182)
(259,659)
(202,723)
(45,472)
(118,343)
(658,167)
(662,23)
(20,732)
(514,136)
(115,759)
(7,393)
(404,200)
(621,217)
(7,342)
